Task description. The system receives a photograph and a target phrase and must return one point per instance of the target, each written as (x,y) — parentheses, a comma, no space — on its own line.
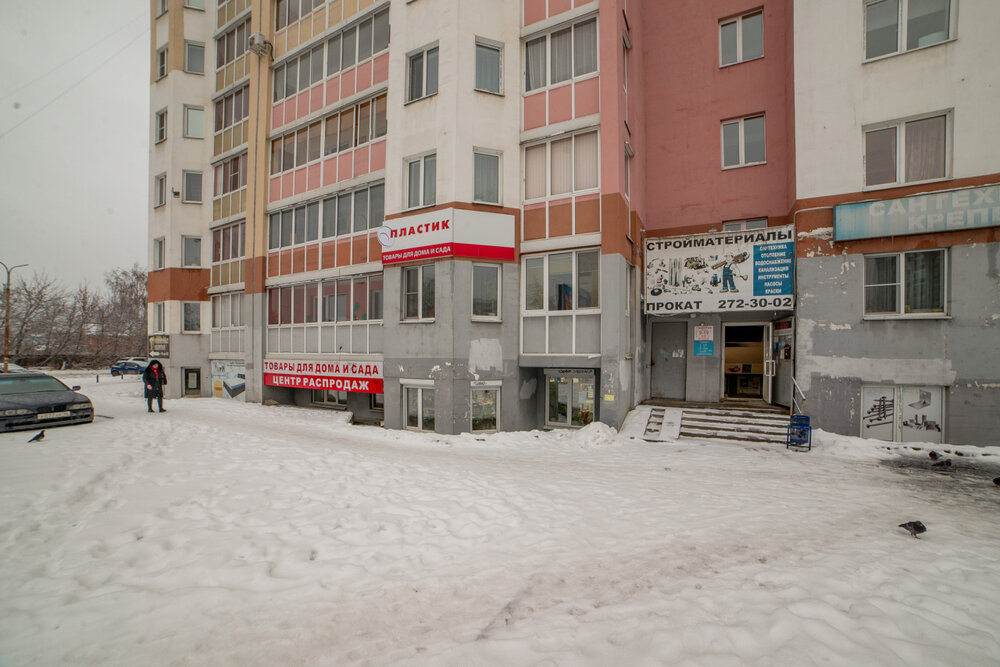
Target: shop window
(571,400)
(418,407)
(329,398)
(904,284)
(485,408)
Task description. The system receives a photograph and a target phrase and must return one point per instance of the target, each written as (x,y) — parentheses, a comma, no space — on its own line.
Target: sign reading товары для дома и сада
(730,271)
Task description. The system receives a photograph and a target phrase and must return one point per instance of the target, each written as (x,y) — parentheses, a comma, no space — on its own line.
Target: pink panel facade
(361,161)
(330,171)
(345,166)
(380,69)
(315,98)
(561,104)
(559,6)
(363,76)
(378,155)
(588,96)
(333,90)
(314,176)
(300,181)
(534,111)
(347,80)
(278,115)
(534,11)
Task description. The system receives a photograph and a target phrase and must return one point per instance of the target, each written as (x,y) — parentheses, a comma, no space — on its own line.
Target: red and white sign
(448,233)
(360,376)
(704,332)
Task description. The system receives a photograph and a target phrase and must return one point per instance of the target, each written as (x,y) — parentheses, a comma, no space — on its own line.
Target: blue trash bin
(799,432)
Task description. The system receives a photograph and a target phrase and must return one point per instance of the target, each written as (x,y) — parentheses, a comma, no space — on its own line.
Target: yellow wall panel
(217,145)
(217,209)
(335,13)
(350,8)
(365,4)
(215,276)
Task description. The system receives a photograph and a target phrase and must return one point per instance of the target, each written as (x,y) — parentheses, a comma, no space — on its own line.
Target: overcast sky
(74,137)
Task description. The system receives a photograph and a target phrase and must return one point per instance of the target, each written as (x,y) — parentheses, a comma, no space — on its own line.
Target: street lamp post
(6,312)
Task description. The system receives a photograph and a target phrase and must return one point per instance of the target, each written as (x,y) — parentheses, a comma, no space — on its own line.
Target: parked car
(32,400)
(128,367)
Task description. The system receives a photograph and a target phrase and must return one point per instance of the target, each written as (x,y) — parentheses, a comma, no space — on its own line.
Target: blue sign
(704,348)
(969,208)
(772,269)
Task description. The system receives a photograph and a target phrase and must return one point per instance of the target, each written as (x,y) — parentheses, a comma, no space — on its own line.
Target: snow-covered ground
(221,533)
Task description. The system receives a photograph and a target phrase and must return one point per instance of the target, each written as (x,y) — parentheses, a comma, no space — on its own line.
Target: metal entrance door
(768,361)
(668,358)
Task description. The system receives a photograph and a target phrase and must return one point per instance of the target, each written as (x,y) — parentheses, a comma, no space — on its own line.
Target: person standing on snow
(154,377)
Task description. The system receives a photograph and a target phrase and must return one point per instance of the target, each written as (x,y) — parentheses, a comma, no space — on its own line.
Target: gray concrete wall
(837,350)
(187,351)
(615,386)
(453,350)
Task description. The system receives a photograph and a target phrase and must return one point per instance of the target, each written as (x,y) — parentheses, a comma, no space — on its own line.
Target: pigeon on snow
(942,464)
(914,527)
(996,481)
(38,436)
(934,455)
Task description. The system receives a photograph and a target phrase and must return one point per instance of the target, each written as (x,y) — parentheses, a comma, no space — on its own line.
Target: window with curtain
(486,177)
(561,167)
(907,151)
(907,283)
(561,55)
(895,26)
(562,281)
(488,58)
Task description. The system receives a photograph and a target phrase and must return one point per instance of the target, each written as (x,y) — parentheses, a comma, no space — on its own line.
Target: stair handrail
(796,407)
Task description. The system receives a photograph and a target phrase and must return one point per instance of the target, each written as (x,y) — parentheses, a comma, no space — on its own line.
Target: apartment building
(423,212)
(898,187)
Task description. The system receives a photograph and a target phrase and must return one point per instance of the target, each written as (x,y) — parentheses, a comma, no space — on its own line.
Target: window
(161,63)
(485,408)
(230,175)
(741,39)
(561,167)
(893,26)
(488,67)
(192,317)
(194,58)
(486,177)
(161,126)
(228,242)
(907,283)
(195,4)
(162,6)
(232,108)
(298,74)
(570,52)
(191,250)
(352,299)
(377,402)
(288,12)
(232,44)
(159,190)
(744,225)
(159,322)
(421,181)
(418,408)
(418,292)
(194,122)
(192,186)
(354,211)
(329,398)
(570,400)
(562,281)
(422,74)
(485,291)
(743,142)
(158,253)
(227,311)
(294,226)
(907,151)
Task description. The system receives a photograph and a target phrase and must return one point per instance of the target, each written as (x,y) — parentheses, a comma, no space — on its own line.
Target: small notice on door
(609,397)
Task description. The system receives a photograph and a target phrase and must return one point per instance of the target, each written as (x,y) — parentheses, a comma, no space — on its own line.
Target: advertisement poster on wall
(902,414)
(732,271)
(229,380)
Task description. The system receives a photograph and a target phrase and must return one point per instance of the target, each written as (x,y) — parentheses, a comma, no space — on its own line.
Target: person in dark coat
(154,377)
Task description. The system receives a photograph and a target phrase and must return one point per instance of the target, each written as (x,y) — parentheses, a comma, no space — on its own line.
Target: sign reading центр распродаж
(969,208)
(732,271)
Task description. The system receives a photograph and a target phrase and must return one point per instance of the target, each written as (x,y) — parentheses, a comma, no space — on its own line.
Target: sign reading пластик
(731,271)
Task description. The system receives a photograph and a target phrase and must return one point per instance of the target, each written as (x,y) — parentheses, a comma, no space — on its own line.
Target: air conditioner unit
(257,43)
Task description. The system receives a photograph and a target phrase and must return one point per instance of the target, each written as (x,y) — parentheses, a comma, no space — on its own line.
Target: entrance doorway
(192,382)
(668,357)
(747,366)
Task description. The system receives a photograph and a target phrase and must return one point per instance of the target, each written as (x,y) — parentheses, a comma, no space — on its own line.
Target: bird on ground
(38,436)
(934,455)
(914,527)
(942,464)
(996,481)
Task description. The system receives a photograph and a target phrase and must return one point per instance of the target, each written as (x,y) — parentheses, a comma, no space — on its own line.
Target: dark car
(32,400)
(128,367)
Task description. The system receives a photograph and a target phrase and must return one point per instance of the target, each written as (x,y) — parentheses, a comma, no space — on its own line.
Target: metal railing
(796,407)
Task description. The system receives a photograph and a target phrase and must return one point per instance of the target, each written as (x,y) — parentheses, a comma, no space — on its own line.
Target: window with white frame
(162,6)
(194,58)
(486,291)
(356,299)
(192,186)
(354,211)
(422,73)
(299,73)
(741,39)
(562,281)
(159,322)
(485,404)
(907,151)
(329,398)
(161,62)
(161,126)
(191,251)
(232,109)
(906,283)
(489,59)
(194,122)
(743,142)
(486,176)
(232,44)
(288,12)
(195,4)
(231,175)
(294,226)
(377,402)
(421,181)
(561,167)
(896,26)
(565,54)
(159,252)
(229,242)
(418,292)
(227,311)
(744,225)
(159,190)
(418,407)
(192,317)
(570,398)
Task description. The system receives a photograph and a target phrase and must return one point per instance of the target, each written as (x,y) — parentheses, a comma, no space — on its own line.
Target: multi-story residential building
(469,215)
(898,187)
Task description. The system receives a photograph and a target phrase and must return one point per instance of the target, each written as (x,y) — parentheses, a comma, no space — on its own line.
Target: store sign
(704,341)
(159,346)
(709,273)
(970,208)
(447,232)
(360,376)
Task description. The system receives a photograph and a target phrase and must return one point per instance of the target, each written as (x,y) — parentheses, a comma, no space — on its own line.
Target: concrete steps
(733,423)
